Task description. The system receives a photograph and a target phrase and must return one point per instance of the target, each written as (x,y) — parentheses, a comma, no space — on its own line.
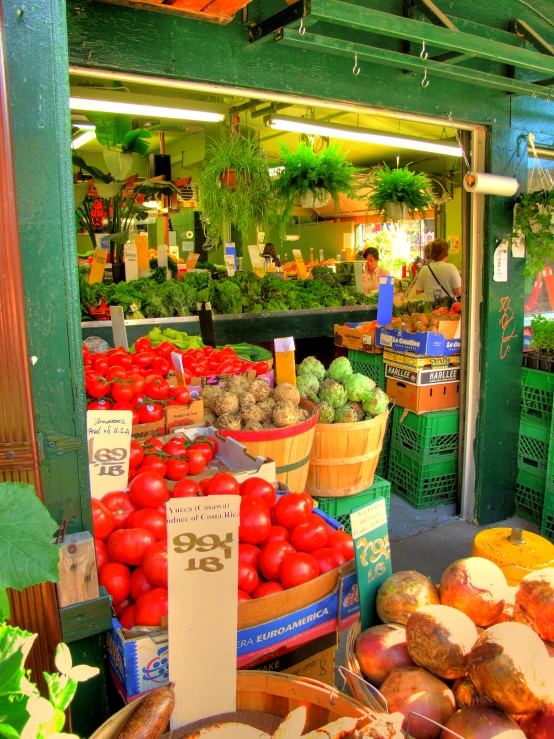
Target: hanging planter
(399,192)
(534,225)
(310,202)
(228,178)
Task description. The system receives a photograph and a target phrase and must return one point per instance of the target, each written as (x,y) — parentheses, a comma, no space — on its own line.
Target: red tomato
(127,618)
(154,463)
(148,490)
(151,412)
(175,448)
(121,506)
(211,441)
(143,344)
(176,469)
(249,554)
(297,569)
(242,596)
(155,564)
(97,388)
(138,399)
(132,474)
(151,607)
(187,488)
(99,405)
(181,394)
(309,536)
(119,359)
(258,486)
(248,578)
(158,388)
(308,498)
(272,556)
(100,363)
(291,510)
(205,449)
(223,484)
(139,583)
(138,383)
(208,351)
(143,359)
(102,520)
(255,520)
(165,348)
(328,559)
(342,542)
(123,391)
(119,608)
(456,308)
(154,442)
(276,533)
(205,484)
(116,372)
(196,461)
(267,588)
(261,368)
(150,519)
(161,365)
(102,555)
(136,454)
(116,578)
(130,545)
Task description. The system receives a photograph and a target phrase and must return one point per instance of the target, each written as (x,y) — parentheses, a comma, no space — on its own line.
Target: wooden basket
(290,448)
(345,456)
(359,689)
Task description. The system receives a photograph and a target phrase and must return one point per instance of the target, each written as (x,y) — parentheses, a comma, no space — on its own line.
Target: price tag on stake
(191,261)
(109,444)
(202,537)
(131,262)
(300,266)
(98,266)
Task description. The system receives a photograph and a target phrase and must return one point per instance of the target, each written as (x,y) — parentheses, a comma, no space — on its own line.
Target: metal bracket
(17,456)
(283,18)
(52,444)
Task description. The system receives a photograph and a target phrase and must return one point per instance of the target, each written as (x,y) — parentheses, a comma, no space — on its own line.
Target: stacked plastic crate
(340,508)
(423,462)
(535,478)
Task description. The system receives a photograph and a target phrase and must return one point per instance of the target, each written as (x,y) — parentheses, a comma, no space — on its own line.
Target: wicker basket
(359,687)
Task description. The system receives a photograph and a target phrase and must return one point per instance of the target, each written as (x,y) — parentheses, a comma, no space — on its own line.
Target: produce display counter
(252,327)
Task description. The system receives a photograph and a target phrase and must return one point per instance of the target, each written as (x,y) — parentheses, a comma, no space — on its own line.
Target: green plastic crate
(422,486)
(530,494)
(547,526)
(341,508)
(427,438)
(371,365)
(533,446)
(537,396)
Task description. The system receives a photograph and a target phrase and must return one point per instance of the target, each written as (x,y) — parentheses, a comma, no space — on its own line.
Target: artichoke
(326,412)
(346,414)
(356,385)
(334,394)
(359,410)
(375,402)
(312,366)
(339,368)
(308,386)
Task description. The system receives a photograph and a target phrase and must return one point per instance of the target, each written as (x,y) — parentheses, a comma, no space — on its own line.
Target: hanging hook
(302,29)
(424,54)
(425,81)
(534,95)
(356,70)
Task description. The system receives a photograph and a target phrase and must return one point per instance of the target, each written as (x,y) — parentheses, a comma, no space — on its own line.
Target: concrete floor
(428,541)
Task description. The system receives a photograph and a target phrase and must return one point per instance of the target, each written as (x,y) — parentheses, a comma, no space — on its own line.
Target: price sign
(230,264)
(162,256)
(372,550)
(191,261)
(98,266)
(300,266)
(109,443)
(202,536)
(173,248)
(321,255)
(131,262)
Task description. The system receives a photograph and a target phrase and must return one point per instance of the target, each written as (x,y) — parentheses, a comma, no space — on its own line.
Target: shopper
(438,278)
(416,267)
(269,251)
(372,272)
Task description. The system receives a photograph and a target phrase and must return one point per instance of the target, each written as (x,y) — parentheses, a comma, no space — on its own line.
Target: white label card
(202,538)
(162,255)
(131,262)
(321,258)
(230,264)
(501,263)
(109,443)
(368,519)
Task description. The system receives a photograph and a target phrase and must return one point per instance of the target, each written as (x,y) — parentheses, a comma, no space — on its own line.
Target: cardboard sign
(109,442)
(173,248)
(372,550)
(385,300)
(131,262)
(501,263)
(162,256)
(190,264)
(230,264)
(432,376)
(259,271)
(98,266)
(141,242)
(202,535)
(300,266)
(321,257)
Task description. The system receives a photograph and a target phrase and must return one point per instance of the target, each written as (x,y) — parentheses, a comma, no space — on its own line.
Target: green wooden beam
(388,24)
(86,619)
(313,42)
(435,15)
(521,28)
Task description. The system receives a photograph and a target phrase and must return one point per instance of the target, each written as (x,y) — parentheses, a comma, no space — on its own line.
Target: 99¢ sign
(108,444)
(208,543)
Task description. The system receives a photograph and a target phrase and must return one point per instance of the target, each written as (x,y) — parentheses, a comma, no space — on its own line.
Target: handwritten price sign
(109,443)
(372,550)
(202,536)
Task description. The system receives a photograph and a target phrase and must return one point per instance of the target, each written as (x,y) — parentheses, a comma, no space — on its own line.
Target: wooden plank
(78,573)
(86,619)
(170,10)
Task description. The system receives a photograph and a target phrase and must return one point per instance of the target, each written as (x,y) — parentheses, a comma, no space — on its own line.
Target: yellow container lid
(515,551)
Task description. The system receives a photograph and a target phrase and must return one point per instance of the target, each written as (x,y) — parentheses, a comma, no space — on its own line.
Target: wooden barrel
(345,456)
(290,448)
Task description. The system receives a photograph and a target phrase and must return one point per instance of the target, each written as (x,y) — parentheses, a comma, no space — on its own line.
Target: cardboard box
(315,660)
(422,376)
(184,415)
(144,431)
(360,337)
(413,360)
(420,342)
(424,398)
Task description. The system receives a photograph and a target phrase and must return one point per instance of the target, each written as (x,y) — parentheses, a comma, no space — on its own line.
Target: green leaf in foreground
(4,606)
(15,689)
(27,555)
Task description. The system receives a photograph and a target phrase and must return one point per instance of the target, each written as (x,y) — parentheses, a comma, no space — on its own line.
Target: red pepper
(208,351)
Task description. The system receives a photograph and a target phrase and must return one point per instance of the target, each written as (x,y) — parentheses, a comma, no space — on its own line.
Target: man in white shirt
(438,278)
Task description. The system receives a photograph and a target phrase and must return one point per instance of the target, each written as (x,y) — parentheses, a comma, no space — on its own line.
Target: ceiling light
(350,133)
(83,126)
(144,111)
(82,139)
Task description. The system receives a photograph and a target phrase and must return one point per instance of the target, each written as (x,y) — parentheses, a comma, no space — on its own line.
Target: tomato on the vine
(175,448)
(102,555)
(123,390)
(298,569)
(97,388)
(224,484)
(157,389)
(121,506)
(176,469)
(116,372)
(151,607)
(196,461)
(150,412)
(153,442)
(102,520)
(100,363)
(272,556)
(130,545)
(150,519)
(136,454)
(143,344)
(139,583)
(155,564)
(258,486)
(181,394)
(138,383)
(116,578)
(118,359)
(148,490)
(205,449)
(99,405)
(144,359)
(122,406)
(187,488)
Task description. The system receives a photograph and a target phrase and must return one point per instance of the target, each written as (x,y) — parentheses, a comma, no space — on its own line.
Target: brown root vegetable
(534,602)
(475,586)
(402,594)
(381,649)
(267,406)
(246,399)
(225,403)
(440,639)
(259,389)
(210,394)
(251,412)
(231,421)
(253,426)
(482,722)
(285,415)
(286,392)
(383,726)
(509,665)
(466,694)
(150,719)
(237,384)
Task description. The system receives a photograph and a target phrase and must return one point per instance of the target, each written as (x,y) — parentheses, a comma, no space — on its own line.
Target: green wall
(454,225)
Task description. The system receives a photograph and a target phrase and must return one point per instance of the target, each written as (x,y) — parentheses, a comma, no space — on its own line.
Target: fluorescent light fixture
(83,126)
(350,133)
(151,204)
(82,139)
(153,111)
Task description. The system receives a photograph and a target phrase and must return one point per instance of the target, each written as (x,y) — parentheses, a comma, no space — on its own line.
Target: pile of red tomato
(173,460)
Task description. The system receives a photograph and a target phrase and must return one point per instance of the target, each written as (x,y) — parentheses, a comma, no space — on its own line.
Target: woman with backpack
(438,278)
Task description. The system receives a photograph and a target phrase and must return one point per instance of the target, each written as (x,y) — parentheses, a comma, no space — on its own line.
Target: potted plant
(541,356)
(398,192)
(534,224)
(317,176)
(235,187)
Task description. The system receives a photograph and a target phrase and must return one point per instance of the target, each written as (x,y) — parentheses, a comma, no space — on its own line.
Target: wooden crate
(213,11)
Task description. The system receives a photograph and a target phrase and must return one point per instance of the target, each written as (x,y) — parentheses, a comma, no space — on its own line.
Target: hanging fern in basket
(400,185)
(534,222)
